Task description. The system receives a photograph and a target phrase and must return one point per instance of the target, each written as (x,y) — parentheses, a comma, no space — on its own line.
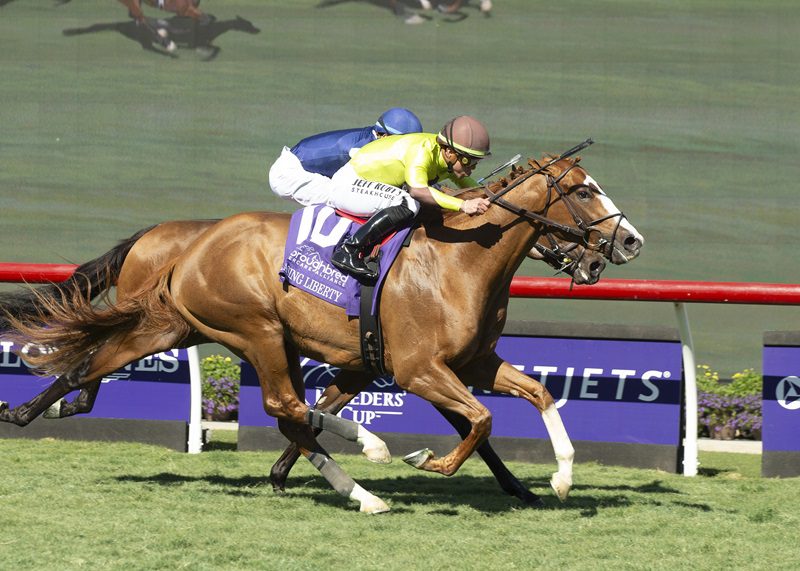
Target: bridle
(582,230)
(557,257)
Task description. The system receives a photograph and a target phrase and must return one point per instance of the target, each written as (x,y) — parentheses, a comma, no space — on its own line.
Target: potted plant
(220,383)
(728,411)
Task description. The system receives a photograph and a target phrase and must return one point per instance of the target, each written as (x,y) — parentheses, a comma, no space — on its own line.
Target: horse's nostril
(632,243)
(596,267)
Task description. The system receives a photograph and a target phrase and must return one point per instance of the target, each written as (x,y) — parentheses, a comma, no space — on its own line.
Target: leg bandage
(330,470)
(347,429)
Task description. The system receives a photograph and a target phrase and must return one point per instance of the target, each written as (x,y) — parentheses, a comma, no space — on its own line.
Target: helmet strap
(448,163)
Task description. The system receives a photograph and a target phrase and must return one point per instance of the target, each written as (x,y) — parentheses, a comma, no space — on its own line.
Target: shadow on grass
(408,8)
(410,493)
(711,472)
(216,445)
(183,32)
(231,486)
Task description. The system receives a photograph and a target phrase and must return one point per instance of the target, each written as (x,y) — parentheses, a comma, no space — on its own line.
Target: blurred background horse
(160,35)
(181,31)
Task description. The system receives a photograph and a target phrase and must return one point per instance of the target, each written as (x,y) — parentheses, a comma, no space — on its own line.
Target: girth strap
(370,324)
(371,336)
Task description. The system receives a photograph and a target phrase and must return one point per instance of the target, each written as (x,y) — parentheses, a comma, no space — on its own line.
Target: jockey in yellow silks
(389,178)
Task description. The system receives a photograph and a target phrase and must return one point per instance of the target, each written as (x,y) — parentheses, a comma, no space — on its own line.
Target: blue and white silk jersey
(302,173)
(327,152)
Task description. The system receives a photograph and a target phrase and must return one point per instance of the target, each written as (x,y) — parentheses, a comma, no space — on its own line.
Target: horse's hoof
(171,47)
(373,505)
(561,485)
(527,497)
(531,500)
(278,485)
(54,410)
(374,448)
(418,458)
(379,454)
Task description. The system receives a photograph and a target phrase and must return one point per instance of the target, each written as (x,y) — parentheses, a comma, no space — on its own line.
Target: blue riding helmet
(398,121)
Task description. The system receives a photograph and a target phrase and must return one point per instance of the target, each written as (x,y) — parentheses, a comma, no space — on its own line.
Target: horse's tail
(69,330)
(89,280)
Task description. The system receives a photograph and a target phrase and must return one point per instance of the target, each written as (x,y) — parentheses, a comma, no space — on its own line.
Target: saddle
(314,233)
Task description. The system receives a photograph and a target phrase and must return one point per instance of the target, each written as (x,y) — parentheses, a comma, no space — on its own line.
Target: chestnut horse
(130,263)
(450,287)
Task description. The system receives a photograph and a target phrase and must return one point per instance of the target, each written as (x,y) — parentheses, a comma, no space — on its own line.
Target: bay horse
(456,273)
(185,8)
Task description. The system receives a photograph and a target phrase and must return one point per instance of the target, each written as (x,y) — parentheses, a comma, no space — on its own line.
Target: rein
(583,231)
(527,175)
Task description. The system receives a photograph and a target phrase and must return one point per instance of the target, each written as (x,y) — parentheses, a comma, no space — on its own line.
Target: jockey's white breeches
(288,179)
(361,197)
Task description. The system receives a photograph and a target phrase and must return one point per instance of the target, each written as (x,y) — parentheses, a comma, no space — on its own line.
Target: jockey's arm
(435,197)
(417,177)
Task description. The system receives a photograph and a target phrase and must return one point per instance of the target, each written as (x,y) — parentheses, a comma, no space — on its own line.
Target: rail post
(690,392)
(195,443)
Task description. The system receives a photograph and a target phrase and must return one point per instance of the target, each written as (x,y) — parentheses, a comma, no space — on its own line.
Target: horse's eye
(584,194)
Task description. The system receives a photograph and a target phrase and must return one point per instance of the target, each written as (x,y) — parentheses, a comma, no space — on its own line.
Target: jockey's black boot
(349,257)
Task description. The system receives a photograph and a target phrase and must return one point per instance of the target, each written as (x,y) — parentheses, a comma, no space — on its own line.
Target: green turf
(72,505)
(693,105)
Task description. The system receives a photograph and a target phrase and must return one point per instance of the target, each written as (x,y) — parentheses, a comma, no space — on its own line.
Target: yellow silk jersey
(414,159)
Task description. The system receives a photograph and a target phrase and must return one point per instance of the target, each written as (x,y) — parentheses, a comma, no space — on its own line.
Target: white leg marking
(373,447)
(54,410)
(561,481)
(370,503)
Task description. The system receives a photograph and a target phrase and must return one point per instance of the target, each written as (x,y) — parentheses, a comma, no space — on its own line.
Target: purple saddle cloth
(314,233)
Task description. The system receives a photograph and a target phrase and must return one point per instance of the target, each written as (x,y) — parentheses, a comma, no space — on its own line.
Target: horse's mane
(501,183)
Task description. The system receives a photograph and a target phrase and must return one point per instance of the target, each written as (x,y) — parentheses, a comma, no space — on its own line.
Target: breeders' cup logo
(367,406)
(787,393)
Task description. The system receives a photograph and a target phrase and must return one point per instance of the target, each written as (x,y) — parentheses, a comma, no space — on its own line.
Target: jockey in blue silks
(303,172)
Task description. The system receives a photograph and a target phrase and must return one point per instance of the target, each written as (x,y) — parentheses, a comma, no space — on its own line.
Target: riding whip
(505,165)
(576,149)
